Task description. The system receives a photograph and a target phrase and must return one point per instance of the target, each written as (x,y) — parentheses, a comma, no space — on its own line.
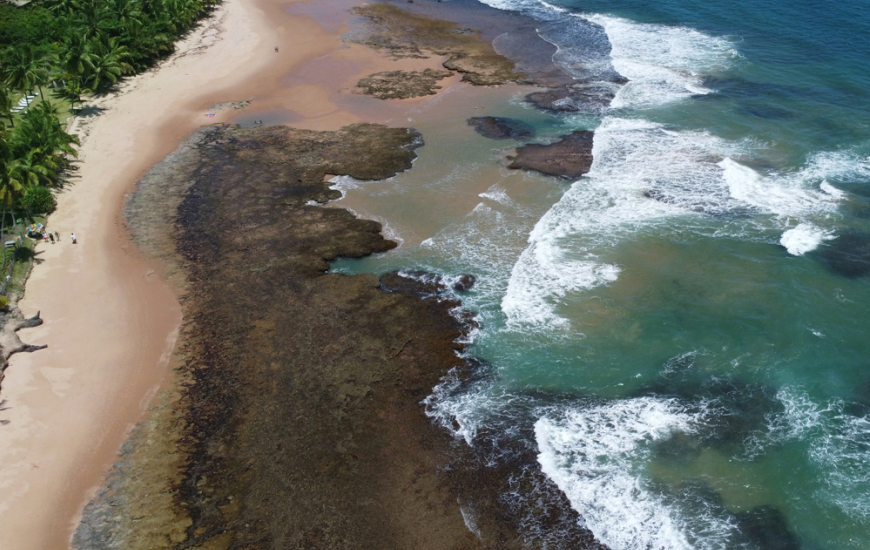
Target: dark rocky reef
(297,420)
(495,127)
(766,527)
(847,255)
(464,282)
(424,284)
(406,34)
(415,283)
(401,84)
(585,99)
(570,157)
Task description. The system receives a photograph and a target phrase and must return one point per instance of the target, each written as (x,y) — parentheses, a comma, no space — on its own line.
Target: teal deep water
(701,296)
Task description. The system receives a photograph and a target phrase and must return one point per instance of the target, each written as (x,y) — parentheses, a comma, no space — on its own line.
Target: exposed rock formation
(401,84)
(404,34)
(586,99)
(570,157)
(495,127)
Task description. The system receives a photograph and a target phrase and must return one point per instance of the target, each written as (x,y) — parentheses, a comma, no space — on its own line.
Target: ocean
(684,330)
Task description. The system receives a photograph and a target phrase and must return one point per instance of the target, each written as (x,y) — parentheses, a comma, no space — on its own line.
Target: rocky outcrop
(570,157)
(405,34)
(296,422)
(847,255)
(495,127)
(401,84)
(586,99)
(464,282)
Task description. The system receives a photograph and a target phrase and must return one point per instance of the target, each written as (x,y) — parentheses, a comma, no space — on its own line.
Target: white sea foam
(644,173)
(631,158)
(783,195)
(344,184)
(459,407)
(804,238)
(831,190)
(593,455)
(838,444)
(498,194)
(662,63)
(837,166)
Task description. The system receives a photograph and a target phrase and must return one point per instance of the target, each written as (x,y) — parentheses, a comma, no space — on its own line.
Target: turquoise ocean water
(686,328)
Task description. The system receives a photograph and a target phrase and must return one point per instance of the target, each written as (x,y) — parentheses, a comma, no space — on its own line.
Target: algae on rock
(404,34)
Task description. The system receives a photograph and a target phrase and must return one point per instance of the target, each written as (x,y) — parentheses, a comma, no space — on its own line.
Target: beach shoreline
(111,322)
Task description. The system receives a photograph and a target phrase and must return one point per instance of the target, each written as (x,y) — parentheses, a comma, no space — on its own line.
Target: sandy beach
(111,322)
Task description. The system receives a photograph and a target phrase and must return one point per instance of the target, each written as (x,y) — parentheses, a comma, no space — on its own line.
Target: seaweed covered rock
(587,99)
(495,127)
(847,255)
(404,34)
(401,84)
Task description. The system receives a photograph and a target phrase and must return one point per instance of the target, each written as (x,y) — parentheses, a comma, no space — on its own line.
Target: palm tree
(21,69)
(183,13)
(88,19)
(72,92)
(107,64)
(41,73)
(124,12)
(32,169)
(74,55)
(11,187)
(41,145)
(63,7)
(6,104)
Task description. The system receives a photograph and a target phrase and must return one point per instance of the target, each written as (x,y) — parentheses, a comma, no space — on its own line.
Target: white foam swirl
(592,455)
(662,63)
(804,238)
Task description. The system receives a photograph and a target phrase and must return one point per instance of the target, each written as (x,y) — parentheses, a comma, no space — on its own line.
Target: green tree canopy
(36,201)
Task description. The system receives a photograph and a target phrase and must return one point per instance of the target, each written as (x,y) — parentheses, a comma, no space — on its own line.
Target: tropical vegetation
(68,49)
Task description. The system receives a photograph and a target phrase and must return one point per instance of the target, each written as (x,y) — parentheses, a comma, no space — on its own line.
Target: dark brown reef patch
(570,157)
(296,419)
(405,34)
(401,84)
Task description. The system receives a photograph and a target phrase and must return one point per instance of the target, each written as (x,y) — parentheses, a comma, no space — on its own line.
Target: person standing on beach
(57,236)
(73,238)
(51,237)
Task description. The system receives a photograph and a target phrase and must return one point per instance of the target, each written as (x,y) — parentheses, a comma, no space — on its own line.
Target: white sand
(110,323)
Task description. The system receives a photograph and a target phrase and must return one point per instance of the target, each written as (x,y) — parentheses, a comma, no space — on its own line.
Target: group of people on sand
(55,237)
